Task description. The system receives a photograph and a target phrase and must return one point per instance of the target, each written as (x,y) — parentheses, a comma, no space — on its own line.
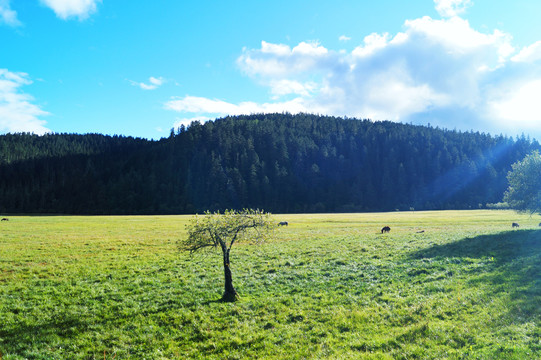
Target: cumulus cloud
(65,9)
(17,112)
(529,54)
(517,106)
(450,8)
(372,43)
(274,60)
(194,104)
(8,16)
(433,63)
(153,83)
(283,87)
(441,71)
(458,37)
(156,81)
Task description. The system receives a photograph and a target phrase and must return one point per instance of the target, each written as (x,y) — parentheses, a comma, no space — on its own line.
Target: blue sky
(113,67)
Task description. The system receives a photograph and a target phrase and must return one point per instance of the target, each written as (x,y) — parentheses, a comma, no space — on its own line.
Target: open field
(328,286)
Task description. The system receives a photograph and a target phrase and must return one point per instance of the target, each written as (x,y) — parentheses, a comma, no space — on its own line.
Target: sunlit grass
(453,284)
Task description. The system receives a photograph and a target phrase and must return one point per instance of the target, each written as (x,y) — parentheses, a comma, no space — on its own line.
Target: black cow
(386,229)
(5,219)
(283,223)
(515,225)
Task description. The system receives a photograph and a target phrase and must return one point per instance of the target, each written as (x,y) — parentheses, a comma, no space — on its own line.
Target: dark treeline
(277,162)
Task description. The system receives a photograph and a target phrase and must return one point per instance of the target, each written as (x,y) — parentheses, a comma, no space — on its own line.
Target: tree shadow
(20,337)
(504,247)
(511,264)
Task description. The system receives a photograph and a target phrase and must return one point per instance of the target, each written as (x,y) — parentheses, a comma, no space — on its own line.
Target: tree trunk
(230,294)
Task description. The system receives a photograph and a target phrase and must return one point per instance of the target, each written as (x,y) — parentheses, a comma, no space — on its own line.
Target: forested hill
(276,162)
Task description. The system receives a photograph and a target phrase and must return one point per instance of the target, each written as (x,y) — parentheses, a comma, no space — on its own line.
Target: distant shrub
(498,206)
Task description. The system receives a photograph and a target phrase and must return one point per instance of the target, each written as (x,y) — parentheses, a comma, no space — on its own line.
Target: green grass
(328,286)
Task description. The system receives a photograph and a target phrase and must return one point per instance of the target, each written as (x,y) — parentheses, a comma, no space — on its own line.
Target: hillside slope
(278,162)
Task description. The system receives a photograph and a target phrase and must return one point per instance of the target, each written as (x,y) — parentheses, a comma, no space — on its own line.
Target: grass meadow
(328,286)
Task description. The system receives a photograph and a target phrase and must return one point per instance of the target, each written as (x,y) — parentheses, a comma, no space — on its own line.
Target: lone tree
(223,230)
(524,192)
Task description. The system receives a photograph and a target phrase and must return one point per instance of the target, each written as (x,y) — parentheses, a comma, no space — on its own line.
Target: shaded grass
(327,286)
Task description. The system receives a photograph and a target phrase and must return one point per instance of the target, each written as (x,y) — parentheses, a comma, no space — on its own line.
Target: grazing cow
(5,219)
(385,229)
(283,223)
(515,225)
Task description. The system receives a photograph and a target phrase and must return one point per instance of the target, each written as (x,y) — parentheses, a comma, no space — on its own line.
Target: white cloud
(156,81)
(518,105)
(372,43)
(393,95)
(441,71)
(17,112)
(458,37)
(8,16)
(65,9)
(344,38)
(432,64)
(529,54)
(451,8)
(194,104)
(153,83)
(275,49)
(310,49)
(277,59)
(286,87)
